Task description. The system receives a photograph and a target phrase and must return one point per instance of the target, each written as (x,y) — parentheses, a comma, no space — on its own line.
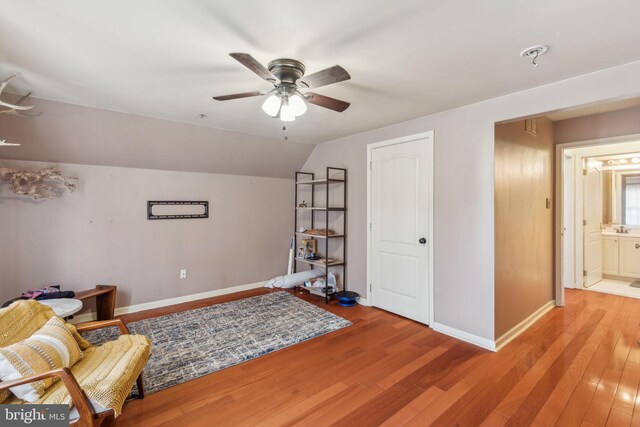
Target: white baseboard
(363,301)
(464,336)
(513,333)
(86,317)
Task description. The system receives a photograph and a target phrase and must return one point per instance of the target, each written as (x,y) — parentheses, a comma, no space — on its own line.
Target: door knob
(422,241)
(637,246)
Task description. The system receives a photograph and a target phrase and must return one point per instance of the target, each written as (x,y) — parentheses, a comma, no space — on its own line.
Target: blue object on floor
(348,298)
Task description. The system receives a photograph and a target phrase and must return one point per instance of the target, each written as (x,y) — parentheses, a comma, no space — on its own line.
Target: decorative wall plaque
(160,209)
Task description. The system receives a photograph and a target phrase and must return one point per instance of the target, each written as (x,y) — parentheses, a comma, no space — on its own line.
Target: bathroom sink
(631,233)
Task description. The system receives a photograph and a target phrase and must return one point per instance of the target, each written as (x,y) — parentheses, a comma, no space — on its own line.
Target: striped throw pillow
(50,347)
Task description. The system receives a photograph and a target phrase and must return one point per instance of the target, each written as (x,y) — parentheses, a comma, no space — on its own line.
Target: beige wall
(596,126)
(100,233)
(523,224)
(68,133)
(464,189)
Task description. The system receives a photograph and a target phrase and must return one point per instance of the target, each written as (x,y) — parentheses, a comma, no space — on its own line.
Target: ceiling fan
(287,76)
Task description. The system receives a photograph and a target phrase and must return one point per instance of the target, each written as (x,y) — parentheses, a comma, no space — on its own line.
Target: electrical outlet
(183,273)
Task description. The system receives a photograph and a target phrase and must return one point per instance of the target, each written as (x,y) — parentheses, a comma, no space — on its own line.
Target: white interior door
(400,244)
(592,232)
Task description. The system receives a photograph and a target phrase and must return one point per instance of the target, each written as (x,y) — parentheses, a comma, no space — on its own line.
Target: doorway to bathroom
(600,220)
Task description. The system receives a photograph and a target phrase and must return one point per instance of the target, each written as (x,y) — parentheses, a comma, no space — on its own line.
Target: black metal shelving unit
(334,177)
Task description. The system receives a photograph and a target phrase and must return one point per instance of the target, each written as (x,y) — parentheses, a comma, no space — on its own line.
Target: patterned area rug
(193,343)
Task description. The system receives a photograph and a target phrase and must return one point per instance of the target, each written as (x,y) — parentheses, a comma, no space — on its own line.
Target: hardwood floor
(578,366)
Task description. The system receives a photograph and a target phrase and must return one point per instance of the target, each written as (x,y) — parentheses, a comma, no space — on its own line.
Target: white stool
(63,307)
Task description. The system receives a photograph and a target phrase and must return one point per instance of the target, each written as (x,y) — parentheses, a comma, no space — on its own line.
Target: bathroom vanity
(621,253)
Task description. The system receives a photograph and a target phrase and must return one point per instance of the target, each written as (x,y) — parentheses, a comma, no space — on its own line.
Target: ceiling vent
(531,126)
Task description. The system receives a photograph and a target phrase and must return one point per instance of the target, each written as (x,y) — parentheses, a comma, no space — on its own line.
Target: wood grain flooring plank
(610,380)
(298,410)
(403,392)
(618,418)
(439,406)
(567,384)
(495,419)
(599,362)
(518,394)
(409,368)
(413,408)
(627,391)
(515,398)
(499,378)
(333,411)
(529,409)
(573,412)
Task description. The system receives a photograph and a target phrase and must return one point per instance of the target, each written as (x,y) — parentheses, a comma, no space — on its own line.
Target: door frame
(559,214)
(567,229)
(428,139)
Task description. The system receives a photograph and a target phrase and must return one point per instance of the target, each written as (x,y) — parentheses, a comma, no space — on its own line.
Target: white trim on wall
(464,336)
(364,301)
(578,189)
(568,230)
(430,243)
(170,301)
(514,332)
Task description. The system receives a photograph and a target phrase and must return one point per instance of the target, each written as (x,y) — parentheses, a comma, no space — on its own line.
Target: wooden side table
(105,296)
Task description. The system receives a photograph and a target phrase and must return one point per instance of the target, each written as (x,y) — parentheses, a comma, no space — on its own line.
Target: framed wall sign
(160,209)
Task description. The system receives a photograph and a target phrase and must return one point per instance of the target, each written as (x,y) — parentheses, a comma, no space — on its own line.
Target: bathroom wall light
(594,163)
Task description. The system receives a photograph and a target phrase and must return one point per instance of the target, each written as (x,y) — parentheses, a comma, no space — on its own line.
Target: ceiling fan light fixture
(296,103)
(286,113)
(288,77)
(271,105)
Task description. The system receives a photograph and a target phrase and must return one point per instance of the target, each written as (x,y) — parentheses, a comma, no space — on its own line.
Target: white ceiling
(407,58)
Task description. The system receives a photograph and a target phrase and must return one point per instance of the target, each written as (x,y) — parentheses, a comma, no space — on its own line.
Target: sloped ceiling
(407,58)
(68,133)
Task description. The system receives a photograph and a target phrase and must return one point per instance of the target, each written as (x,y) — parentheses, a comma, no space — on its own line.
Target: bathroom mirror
(621,197)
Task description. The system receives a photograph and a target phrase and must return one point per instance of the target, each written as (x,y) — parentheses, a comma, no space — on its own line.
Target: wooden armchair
(91,326)
(88,416)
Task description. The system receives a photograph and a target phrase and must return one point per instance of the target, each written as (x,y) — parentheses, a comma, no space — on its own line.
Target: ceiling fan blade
(251,63)
(326,102)
(238,95)
(325,77)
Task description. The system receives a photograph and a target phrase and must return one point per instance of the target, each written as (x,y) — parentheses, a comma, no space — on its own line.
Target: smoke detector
(534,52)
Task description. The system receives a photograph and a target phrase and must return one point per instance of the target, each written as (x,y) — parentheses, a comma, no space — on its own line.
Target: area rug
(193,343)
